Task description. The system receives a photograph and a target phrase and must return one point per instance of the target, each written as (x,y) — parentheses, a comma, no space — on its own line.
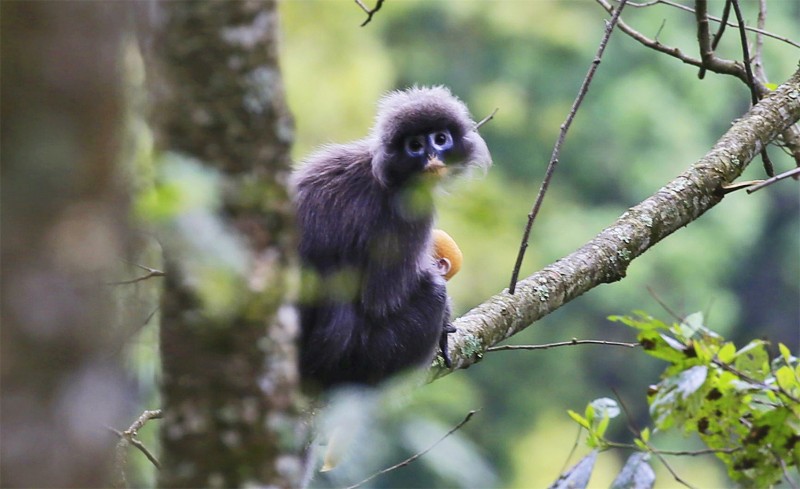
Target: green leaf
(655,344)
(642,321)
(579,419)
(785,353)
(589,413)
(602,426)
(691,325)
(753,360)
(645,434)
(785,378)
(727,353)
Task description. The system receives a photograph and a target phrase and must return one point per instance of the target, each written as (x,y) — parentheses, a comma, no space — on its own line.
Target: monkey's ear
(477,151)
(444,266)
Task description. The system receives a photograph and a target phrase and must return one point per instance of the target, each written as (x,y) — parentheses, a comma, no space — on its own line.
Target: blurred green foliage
(742,404)
(646,118)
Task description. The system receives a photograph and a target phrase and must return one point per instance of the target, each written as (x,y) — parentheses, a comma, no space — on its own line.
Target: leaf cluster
(741,403)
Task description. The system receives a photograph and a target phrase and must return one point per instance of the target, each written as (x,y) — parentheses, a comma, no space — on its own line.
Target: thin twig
(677,453)
(664,305)
(757,383)
(151,272)
(368,11)
(686,8)
(486,119)
(129,436)
(770,181)
(572,451)
(720,31)
(417,455)
(785,470)
(758,57)
(562,343)
(733,187)
(557,148)
(636,432)
(751,82)
(719,66)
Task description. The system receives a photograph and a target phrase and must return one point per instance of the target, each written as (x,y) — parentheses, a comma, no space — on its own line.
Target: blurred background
(647,117)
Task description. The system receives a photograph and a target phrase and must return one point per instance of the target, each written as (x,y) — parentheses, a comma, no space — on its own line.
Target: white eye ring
(414,145)
(441,140)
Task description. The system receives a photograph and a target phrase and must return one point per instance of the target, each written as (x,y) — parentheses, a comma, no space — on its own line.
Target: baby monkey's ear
(447,254)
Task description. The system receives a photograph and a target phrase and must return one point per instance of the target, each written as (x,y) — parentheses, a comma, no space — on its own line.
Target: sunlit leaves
(741,404)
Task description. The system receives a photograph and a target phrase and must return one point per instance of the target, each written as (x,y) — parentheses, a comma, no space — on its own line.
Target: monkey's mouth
(435,167)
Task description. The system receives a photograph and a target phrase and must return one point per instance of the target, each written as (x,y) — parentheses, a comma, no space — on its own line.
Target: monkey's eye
(441,140)
(414,146)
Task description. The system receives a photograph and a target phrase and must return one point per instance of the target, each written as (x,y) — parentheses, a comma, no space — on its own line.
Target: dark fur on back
(373,302)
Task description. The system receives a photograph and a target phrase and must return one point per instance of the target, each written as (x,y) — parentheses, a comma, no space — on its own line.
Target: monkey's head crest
(421,131)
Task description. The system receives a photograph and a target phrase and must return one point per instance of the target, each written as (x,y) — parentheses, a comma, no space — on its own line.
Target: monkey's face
(422,134)
(428,155)
(431,149)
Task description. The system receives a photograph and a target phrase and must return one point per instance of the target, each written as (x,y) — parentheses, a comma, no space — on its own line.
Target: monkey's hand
(446,330)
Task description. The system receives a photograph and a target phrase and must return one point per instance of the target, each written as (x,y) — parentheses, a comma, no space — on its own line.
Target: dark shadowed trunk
(64,230)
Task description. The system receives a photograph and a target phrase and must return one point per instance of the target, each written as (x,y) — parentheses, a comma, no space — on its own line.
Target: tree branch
(791,135)
(572,342)
(551,166)
(607,256)
(758,30)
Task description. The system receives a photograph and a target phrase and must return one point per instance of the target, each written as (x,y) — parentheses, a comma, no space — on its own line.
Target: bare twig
(130,437)
(486,119)
(720,31)
(758,57)
(685,8)
(791,136)
(572,451)
(733,187)
(557,148)
(677,453)
(717,65)
(765,183)
(369,11)
(572,342)
(151,272)
(664,305)
(636,432)
(417,455)
(757,383)
(751,82)
(785,470)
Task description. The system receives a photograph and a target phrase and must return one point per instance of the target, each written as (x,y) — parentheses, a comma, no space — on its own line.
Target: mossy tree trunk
(229,376)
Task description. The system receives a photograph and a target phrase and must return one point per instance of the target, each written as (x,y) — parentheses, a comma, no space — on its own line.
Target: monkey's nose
(435,166)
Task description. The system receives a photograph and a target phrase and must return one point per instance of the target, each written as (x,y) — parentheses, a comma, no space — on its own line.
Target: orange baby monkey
(448,255)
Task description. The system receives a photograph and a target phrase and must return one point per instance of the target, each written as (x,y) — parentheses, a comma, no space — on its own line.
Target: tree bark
(229,376)
(607,256)
(64,230)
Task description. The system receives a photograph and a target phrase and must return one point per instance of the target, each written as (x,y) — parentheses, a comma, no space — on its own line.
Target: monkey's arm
(448,258)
